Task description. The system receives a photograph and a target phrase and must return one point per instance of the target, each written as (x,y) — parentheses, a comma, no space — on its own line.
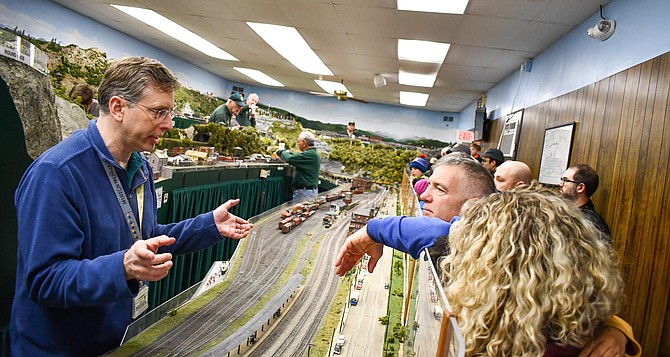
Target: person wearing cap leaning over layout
(492,158)
(225,112)
(88,237)
(417,169)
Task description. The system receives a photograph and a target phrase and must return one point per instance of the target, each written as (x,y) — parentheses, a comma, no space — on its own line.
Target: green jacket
(221,115)
(307,164)
(244,118)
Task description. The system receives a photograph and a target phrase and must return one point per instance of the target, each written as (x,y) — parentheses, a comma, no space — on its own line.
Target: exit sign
(467,136)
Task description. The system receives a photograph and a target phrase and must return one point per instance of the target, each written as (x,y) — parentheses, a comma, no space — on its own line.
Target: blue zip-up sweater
(72,297)
(408,234)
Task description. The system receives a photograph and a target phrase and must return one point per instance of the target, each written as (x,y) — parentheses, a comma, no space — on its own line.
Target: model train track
(257,274)
(265,260)
(291,336)
(299,326)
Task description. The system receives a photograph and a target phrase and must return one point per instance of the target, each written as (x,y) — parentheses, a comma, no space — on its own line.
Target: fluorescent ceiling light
(176,31)
(288,43)
(438,6)
(259,76)
(418,80)
(413,98)
(331,87)
(422,51)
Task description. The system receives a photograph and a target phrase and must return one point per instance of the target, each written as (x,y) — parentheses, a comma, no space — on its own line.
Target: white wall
(576,60)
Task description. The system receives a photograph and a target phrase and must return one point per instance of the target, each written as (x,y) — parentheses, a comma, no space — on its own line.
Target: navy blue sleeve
(407,234)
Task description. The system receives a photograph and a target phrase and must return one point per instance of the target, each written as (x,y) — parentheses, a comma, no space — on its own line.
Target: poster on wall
(556,153)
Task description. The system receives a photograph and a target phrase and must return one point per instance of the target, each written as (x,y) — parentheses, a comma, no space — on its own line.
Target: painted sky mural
(47,20)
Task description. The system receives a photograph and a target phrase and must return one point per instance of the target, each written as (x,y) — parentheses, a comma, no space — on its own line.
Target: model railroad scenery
(278,288)
(291,218)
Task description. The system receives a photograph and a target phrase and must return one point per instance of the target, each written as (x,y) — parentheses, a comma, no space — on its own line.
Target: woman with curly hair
(529,276)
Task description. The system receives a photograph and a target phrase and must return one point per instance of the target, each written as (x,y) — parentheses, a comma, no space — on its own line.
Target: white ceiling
(358,38)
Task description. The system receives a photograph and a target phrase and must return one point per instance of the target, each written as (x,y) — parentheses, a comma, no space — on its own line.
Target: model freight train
(292,217)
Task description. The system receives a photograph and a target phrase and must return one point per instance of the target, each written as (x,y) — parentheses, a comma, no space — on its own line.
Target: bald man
(511,174)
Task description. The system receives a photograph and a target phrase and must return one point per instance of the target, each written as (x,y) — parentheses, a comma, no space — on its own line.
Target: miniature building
(207,149)
(181,160)
(360,183)
(157,160)
(359,219)
(198,156)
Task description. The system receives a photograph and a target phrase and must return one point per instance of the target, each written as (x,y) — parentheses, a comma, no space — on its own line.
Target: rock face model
(71,117)
(34,99)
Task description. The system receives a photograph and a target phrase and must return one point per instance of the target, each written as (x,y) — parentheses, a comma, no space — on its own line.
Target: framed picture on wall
(509,138)
(556,152)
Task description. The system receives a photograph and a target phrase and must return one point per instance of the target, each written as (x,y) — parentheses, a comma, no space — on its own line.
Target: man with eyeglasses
(88,238)
(579,183)
(224,113)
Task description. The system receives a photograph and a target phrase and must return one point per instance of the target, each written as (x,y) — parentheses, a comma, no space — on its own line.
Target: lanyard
(135,229)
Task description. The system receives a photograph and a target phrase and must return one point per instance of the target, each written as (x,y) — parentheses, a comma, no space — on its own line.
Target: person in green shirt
(247,116)
(224,112)
(307,165)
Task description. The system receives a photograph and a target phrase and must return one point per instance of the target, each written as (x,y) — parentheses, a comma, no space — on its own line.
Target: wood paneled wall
(623,132)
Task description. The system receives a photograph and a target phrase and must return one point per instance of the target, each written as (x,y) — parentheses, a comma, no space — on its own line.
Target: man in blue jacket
(88,237)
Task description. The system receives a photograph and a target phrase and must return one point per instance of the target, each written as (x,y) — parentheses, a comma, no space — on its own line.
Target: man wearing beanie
(492,158)
(417,169)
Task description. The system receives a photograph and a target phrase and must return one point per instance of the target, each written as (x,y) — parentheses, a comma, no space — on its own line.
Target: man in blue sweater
(88,237)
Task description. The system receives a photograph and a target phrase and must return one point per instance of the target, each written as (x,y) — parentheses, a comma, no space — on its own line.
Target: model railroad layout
(263,262)
(291,218)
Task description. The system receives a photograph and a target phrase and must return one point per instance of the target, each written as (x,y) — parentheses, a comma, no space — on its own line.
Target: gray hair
(480,181)
(307,137)
(130,76)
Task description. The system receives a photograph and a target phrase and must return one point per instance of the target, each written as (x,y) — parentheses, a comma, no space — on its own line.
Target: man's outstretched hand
(353,250)
(228,224)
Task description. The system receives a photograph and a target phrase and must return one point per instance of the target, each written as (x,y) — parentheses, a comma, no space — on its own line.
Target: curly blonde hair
(527,269)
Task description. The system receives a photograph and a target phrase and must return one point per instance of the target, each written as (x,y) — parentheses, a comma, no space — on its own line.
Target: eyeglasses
(565,179)
(160,114)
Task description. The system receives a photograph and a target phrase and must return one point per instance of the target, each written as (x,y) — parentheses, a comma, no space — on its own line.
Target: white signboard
(555,153)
